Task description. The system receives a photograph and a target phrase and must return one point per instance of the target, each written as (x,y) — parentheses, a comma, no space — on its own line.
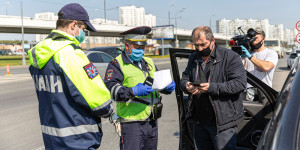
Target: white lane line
(14,78)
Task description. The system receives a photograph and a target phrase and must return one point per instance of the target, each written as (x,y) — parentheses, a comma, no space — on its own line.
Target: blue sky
(197,12)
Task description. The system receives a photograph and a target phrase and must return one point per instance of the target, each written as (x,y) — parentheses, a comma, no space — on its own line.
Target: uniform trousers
(139,135)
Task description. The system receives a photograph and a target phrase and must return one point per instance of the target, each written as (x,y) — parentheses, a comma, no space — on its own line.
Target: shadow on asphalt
(284,68)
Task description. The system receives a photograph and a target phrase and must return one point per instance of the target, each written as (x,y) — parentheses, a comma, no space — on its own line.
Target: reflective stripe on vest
(133,110)
(63,132)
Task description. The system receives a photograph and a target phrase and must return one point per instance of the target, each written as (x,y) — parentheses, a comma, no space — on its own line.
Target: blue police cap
(74,11)
(137,35)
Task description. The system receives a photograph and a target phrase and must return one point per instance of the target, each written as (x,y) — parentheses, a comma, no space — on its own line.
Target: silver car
(291,59)
(100,60)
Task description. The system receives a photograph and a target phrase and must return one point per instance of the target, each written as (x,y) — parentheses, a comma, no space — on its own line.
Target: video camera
(244,40)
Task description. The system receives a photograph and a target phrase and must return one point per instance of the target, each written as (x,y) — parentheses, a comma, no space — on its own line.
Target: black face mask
(256,46)
(204,52)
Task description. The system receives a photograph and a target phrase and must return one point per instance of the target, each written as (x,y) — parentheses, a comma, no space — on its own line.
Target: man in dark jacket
(214,77)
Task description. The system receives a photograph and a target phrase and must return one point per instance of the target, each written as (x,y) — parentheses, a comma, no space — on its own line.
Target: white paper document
(162,79)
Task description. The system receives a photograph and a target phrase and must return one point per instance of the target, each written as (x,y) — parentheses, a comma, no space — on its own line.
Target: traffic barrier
(7,70)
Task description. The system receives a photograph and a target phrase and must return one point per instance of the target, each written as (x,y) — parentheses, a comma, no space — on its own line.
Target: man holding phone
(214,78)
(129,78)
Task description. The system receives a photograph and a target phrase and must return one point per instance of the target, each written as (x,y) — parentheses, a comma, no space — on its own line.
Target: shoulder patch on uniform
(91,70)
(109,74)
(114,61)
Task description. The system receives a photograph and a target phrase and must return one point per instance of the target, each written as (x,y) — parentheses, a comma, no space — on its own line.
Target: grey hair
(202,30)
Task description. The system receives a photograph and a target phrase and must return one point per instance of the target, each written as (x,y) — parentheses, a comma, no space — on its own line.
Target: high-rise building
(132,16)
(150,20)
(230,28)
(46,16)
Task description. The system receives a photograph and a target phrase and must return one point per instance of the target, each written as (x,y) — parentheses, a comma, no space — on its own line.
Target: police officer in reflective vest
(72,96)
(137,104)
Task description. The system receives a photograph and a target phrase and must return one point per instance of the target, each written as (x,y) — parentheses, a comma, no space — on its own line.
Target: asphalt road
(19,119)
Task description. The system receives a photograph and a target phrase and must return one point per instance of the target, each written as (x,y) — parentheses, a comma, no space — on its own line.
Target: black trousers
(139,135)
(206,138)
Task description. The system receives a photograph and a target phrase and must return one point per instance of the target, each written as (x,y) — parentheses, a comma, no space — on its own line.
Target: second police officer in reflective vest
(137,104)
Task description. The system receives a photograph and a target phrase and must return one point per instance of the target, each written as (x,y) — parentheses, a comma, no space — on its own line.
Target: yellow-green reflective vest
(132,110)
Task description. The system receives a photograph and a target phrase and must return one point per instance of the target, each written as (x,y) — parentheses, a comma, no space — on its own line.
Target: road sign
(298,25)
(298,38)
(163,32)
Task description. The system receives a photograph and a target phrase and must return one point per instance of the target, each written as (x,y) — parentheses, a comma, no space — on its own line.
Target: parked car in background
(276,45)
(112,51)
(100,60)
(283,130)
(290,59)
(288,51)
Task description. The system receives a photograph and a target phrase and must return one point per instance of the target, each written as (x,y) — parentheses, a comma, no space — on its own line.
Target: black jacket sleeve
(187,75)
(236,81)
(114,82)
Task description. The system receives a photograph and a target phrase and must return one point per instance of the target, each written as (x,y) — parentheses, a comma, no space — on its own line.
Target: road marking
(15,78)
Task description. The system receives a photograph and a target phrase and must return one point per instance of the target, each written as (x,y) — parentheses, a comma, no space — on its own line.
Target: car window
(106,58)
(119,51)
(95,58)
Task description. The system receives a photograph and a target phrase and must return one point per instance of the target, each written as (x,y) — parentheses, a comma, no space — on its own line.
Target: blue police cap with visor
(74,11)
(138,37)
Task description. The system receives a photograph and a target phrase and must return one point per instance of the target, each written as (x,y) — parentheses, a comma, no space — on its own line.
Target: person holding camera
(214,78)
(129,77)
(261,62)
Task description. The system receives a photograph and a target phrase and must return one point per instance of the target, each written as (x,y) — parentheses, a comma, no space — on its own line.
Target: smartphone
(195,83)
(149,81)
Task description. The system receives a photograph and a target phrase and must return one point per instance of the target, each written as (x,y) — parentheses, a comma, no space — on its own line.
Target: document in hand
(162,79)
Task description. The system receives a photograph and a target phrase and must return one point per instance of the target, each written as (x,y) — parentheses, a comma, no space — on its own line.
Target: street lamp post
(23,56)
(226,35)
(104,11)
(6,3)
(210,21)
(176,39)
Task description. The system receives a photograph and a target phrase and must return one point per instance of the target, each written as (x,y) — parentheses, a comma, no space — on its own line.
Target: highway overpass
(12,24)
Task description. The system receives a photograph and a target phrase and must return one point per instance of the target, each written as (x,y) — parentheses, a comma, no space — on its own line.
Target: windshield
(271,43)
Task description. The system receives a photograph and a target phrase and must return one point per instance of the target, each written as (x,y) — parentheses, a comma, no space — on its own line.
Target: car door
(100,60)
(257,112)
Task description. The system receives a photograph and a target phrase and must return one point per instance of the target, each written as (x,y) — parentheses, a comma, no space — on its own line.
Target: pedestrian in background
(72,96)
(214,78)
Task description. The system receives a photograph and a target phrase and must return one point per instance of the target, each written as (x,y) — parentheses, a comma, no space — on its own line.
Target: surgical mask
(136,54)
(204,52)
(80,37)
(256,46)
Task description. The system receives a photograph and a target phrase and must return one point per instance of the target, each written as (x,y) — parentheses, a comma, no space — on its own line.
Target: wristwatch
(250,57)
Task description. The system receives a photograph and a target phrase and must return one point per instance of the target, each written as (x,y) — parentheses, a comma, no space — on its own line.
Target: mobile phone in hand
(195,83)
(148,81)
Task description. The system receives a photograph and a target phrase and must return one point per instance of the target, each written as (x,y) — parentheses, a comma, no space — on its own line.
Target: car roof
(102,48)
